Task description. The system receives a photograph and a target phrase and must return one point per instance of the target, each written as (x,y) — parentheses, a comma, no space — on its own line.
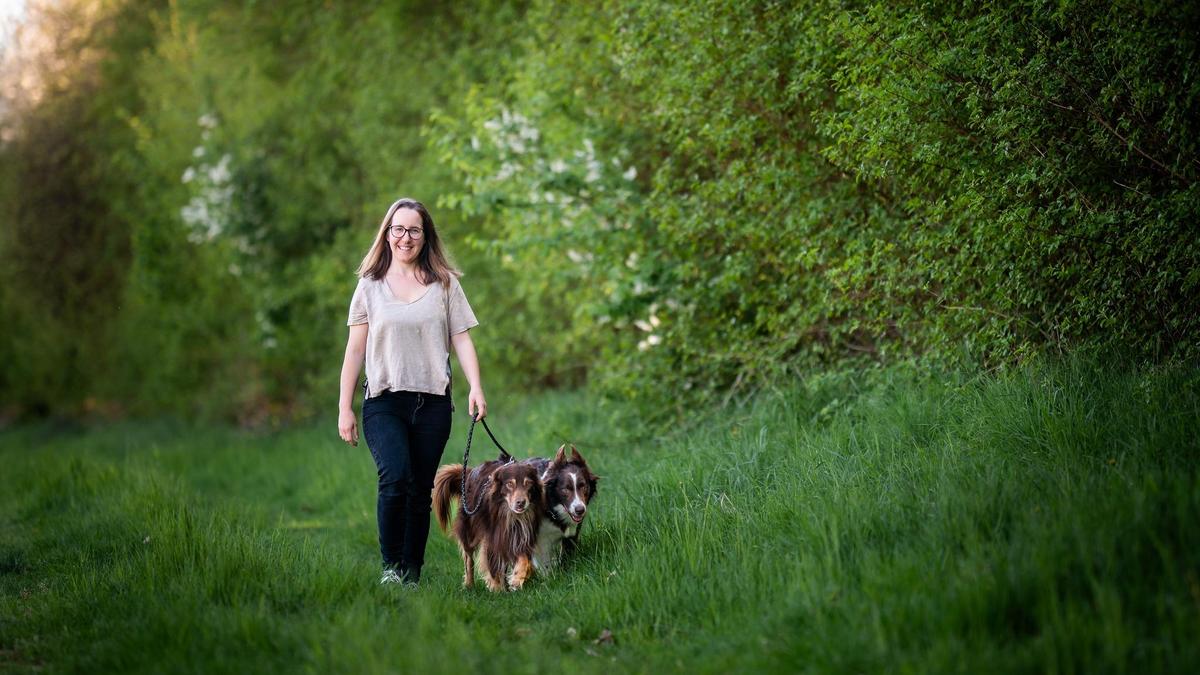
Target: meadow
(708,242)
(1043,518)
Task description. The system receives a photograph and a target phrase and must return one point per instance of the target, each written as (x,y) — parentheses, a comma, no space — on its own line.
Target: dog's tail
(447,485)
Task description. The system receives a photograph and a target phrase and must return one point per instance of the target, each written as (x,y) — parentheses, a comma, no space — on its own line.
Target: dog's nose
(579,510)
(520,504)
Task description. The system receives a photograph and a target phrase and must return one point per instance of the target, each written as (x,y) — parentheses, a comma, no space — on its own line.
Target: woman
(406,313)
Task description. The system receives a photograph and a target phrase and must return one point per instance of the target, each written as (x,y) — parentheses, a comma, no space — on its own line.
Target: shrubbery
(721,190)
(654,197)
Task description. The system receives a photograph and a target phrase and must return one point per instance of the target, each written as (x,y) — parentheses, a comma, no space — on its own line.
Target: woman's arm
(465,348)
(356,350)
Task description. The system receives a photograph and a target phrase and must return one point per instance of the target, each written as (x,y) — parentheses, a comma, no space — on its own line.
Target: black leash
(462,502)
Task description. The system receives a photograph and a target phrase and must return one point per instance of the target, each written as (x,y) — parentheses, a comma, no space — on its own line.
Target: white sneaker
(390,577)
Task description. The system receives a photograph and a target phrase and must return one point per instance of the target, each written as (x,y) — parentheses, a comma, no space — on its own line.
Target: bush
(716,192)
(653,197)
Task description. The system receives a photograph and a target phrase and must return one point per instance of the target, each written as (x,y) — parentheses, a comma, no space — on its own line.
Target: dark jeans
(406,433)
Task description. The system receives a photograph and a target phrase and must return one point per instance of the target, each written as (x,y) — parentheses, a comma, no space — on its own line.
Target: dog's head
(517,486)
(570,484)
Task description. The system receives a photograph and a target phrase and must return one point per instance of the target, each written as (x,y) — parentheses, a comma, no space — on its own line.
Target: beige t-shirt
(408,343)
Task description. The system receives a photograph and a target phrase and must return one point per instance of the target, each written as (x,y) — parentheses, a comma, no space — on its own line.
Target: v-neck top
(408,343)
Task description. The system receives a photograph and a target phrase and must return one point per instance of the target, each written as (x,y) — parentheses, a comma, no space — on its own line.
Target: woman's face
(406,247)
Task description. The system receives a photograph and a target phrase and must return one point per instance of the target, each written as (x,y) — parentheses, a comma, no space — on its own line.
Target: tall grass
(1043,519)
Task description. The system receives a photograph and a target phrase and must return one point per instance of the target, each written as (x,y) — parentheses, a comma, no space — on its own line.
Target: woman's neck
(403,269)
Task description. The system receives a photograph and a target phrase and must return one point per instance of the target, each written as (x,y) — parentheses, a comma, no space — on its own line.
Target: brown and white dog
(569,486)
(507,505)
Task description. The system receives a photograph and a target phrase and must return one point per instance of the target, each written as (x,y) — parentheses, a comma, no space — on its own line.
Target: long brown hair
(432,263)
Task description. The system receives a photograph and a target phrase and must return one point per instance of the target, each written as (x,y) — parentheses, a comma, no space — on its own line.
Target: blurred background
(665,202)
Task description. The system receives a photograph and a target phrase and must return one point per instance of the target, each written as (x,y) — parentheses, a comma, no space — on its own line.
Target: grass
(1042,519)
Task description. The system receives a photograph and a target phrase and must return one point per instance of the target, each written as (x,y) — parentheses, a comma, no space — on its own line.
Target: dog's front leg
(493,570)
(521,572)
(569,544)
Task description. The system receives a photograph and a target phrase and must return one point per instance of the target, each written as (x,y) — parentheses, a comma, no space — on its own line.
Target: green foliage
(1046,148)
(670,201)
(62,246)
(887,520)
(819,184)
(253,150)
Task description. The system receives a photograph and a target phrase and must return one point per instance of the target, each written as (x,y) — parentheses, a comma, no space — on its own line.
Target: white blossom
(507,170)
(650,341)
(220,173)
(593,172)
(580,258)
(208,211)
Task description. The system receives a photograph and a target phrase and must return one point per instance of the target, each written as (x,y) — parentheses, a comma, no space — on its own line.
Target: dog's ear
(536,489)
(560,457)
(575,456)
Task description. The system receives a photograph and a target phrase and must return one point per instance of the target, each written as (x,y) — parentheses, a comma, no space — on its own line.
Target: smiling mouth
(576,519)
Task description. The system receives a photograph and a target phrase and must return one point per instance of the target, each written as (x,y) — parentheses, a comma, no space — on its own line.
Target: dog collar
(557,518)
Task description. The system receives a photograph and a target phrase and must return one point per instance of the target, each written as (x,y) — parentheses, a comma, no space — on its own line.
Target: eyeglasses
(414,233)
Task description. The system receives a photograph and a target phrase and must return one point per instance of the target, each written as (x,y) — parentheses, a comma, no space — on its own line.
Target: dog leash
(462,502)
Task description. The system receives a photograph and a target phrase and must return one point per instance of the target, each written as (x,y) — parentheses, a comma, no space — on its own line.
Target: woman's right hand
(348,427)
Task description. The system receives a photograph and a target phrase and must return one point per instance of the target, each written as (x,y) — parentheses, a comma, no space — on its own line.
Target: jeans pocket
(370,437)
(437,409)
(370,407)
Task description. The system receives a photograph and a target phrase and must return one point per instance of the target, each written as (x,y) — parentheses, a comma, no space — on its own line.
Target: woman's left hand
(476,403)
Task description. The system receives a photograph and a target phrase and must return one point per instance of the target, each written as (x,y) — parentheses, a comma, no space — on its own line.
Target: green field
(1042,519)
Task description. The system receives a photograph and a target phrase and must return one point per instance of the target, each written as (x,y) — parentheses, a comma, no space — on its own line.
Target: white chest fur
(549,545)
